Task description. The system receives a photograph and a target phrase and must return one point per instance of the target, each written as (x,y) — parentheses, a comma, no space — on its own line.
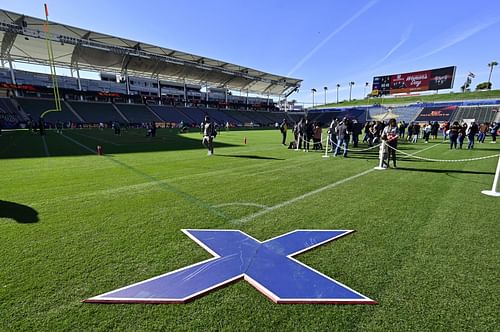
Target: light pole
(364,90)
(313,90)
(350,89)
(491,65)
(325,88)
(338,86)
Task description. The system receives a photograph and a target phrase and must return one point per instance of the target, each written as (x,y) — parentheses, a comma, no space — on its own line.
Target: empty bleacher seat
(36,106)
(93,112)
(137,113)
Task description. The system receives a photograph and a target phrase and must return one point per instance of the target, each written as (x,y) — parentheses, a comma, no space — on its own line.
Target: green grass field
(426,245)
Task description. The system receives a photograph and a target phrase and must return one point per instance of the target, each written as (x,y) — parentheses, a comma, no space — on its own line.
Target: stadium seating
(404,113)
(9,113)
(479,113)
(34,107)
(220,116)
(171,114)
(137,113)
(241,117)
(196,114)
(93,112)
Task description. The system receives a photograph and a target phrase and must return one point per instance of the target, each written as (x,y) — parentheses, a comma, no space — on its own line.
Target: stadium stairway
(497,117)
(138,113)
(96,112)
(34,107)
(480,114)
(170,114)
(153,111)
(120,112)
(73,110)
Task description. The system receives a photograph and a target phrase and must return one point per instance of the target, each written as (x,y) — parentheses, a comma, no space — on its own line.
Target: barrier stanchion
(381,158)
(326,148)
(493,192)
(297,143)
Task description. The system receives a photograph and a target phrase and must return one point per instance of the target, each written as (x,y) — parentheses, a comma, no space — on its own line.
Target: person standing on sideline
(461,135)
(483,128)
(471,134)
(332,135)
(434,130)
(59,127)
(356,131)
(493,131)
(391,134)
(342,135)
(427,132)
(416,132)
(283,130)
(446,128)
(402,128)
(209,134)
(308,134)
(153,129)
(454,130)
(41,125)
(318,133)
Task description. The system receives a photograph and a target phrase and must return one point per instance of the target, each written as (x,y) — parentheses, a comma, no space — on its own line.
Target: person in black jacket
(308,134)
(454,130)
(283,130)
(471,134)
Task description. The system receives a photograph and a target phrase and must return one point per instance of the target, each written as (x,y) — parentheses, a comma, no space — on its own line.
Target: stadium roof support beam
(99,52)
(9,39)
(76,52)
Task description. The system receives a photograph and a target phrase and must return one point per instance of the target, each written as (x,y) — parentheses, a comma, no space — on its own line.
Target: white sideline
(314,192)
(79,144)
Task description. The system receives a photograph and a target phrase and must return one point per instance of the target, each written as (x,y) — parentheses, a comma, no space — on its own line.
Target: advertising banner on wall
(432,79)
(437,113)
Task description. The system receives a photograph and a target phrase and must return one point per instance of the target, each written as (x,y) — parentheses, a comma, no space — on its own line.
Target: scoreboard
(432,79)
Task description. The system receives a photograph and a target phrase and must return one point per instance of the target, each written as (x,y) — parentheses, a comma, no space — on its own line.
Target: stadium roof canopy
(23,39)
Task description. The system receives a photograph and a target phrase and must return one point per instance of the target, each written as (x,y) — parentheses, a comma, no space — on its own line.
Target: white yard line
(311,193)
(79,144)
(45,147)
(298,198)
(98,139)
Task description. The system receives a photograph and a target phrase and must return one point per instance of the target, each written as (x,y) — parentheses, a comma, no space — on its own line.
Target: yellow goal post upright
(55,86)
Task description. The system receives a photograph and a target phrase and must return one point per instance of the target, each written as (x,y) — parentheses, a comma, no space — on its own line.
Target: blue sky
(322,42)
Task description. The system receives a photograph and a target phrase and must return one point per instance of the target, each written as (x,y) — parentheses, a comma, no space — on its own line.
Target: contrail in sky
(330,36)
(461,37)
(404,38)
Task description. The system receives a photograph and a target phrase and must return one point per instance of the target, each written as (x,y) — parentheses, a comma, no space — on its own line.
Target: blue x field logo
(269,266)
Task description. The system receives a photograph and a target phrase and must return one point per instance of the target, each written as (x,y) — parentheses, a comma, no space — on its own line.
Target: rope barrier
(444,160)
(358,150)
